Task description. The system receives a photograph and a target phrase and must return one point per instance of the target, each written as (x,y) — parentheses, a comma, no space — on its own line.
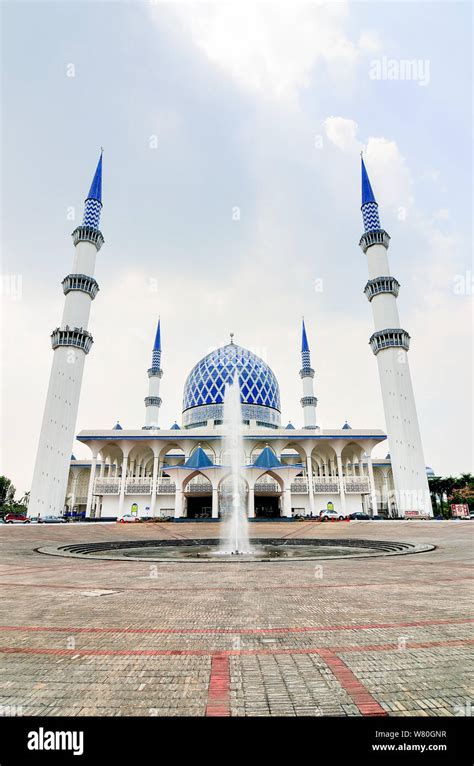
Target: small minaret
(71,343)
(390,344)
(155,373)
(308,400)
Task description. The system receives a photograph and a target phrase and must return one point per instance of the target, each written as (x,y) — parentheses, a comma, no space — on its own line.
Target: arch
(203,479)
(138,458)
(275,478)
(197,495)
(170,454)
(324,456)
(292,453)
(352,458)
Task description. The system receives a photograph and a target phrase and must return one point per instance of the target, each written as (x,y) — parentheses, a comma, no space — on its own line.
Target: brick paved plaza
(370,636)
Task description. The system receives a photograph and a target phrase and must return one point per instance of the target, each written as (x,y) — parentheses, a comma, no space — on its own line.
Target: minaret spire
(156,356)
(305,355)
(308,401)
(390,344)
(370,208)
(71,342)
(155,373)
(93,201)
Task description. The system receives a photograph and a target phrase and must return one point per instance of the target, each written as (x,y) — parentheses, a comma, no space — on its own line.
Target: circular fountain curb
(375,548)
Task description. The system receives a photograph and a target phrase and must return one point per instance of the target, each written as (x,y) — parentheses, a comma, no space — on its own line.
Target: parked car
(359,516)
(51,520)
(13,518)
(327,515)
(128,518)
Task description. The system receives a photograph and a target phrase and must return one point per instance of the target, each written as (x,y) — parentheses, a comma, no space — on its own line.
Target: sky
(231,190)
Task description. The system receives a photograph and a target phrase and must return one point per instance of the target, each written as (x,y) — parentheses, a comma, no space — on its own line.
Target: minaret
(390,344)
(155,373)
(71,343)
(308,401)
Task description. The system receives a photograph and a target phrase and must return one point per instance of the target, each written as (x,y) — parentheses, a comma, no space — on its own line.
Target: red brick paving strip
(366,704)
(230,652)
(218,700)
(233,631)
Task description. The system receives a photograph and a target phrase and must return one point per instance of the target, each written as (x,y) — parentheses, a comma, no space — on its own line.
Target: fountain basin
(207,550)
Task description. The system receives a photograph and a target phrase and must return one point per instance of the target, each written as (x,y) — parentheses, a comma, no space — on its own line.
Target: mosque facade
(181,472)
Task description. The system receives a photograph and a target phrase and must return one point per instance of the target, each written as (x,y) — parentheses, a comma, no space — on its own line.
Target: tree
(434,483)
(457,489)
(7,491)
(7,498)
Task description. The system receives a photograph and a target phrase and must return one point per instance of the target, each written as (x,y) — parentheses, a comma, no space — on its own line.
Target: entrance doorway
(267,507)
(199,507)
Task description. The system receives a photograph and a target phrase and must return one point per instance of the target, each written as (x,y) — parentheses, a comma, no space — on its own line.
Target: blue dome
(205,386)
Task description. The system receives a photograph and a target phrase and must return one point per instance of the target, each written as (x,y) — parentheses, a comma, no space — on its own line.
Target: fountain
(234,545)
(235,533)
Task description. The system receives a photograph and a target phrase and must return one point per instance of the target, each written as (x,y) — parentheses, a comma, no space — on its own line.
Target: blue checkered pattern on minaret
(370,216)
(93,203)
(305,358)
(92,210)
(156,358)
(370,210)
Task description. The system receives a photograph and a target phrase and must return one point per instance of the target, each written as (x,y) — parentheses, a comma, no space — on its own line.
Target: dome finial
(232,338)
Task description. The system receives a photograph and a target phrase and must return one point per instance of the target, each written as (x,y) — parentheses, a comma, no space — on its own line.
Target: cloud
(271,49)
(342,132)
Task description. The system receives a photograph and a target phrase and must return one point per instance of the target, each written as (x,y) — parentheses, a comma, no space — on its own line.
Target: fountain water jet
(235,534)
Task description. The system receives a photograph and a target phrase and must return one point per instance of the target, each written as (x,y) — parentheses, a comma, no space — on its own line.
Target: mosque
(180,472)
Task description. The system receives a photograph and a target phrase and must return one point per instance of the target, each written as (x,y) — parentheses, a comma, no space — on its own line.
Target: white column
(373,494)
(385,490)
(122,483)
(287,502)
(309,469)
(75,477)
(91,484)
(178,506)
(251,508)
(215,503)
(153,484)
(342,490)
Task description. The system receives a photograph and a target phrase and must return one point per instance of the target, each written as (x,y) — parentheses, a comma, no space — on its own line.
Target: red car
(13,518)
